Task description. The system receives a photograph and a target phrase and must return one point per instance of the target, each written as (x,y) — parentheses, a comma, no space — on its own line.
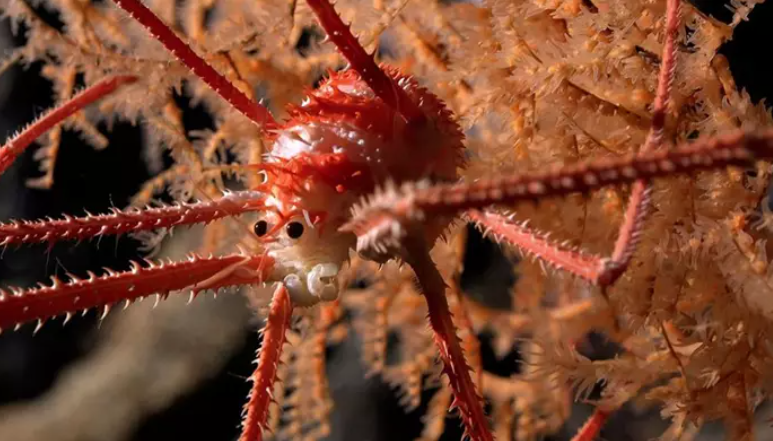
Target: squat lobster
(344,142)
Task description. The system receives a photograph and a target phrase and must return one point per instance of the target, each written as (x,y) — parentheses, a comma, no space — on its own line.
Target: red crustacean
(347,140)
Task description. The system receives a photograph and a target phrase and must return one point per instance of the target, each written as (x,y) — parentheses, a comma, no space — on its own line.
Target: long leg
(466,398)
(19,143)
(132,220)
(602,271)
(590,430)
(220,84)
(241,102)
(363,63)
(598,270)
(19,306)
(384,219)
(277,324)
(638,203)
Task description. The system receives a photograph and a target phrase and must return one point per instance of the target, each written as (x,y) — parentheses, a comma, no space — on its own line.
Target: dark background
(94,180)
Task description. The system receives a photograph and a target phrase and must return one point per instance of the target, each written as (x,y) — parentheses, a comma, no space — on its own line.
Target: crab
(335,180)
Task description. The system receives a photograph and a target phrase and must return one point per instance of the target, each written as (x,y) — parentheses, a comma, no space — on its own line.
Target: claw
(321,284)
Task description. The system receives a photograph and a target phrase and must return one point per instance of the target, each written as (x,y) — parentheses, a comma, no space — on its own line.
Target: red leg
(503,229)
(638,203)
(19,306)
(261,395)
(597,270)
(382,221)
(590,430)
(350,48)
(16,145)
(120,222)
(220,84)
(648,163)
(466,398)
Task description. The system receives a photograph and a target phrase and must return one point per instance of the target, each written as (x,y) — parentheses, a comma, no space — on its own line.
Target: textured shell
(339,145)
(348,138)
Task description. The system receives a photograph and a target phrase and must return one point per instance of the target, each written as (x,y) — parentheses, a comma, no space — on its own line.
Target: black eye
(261,228)
(294,230)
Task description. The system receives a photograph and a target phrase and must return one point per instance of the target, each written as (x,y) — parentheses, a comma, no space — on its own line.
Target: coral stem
(220,84)
(277,324)
(19,306)
(466,397)
(120,222)
(350,48)
(16,145)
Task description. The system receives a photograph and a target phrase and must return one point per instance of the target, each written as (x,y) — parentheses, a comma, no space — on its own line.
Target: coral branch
(18,306)
(504,229)
(277,324)
(383,219)
(131,220)
(16,145)
(350,48)
(455,366)
(590,430)
(220,84)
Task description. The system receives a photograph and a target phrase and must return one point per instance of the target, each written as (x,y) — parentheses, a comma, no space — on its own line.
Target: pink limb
(19,306)
(126,221)
(503,229)
(639,201)
(466,398)
(16,145)
(220,84)
(590,430)
(261,395)
(383,86)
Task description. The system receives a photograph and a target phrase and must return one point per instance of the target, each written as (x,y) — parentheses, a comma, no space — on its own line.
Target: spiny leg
(598,270)
(591,429)
(44,302)
(383,86)
(390,223)
(131,220)
(265,375)
(639,201)
(503,229)
(220,84)
(19,306)
(19,143)
(433,287)
(383,220)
